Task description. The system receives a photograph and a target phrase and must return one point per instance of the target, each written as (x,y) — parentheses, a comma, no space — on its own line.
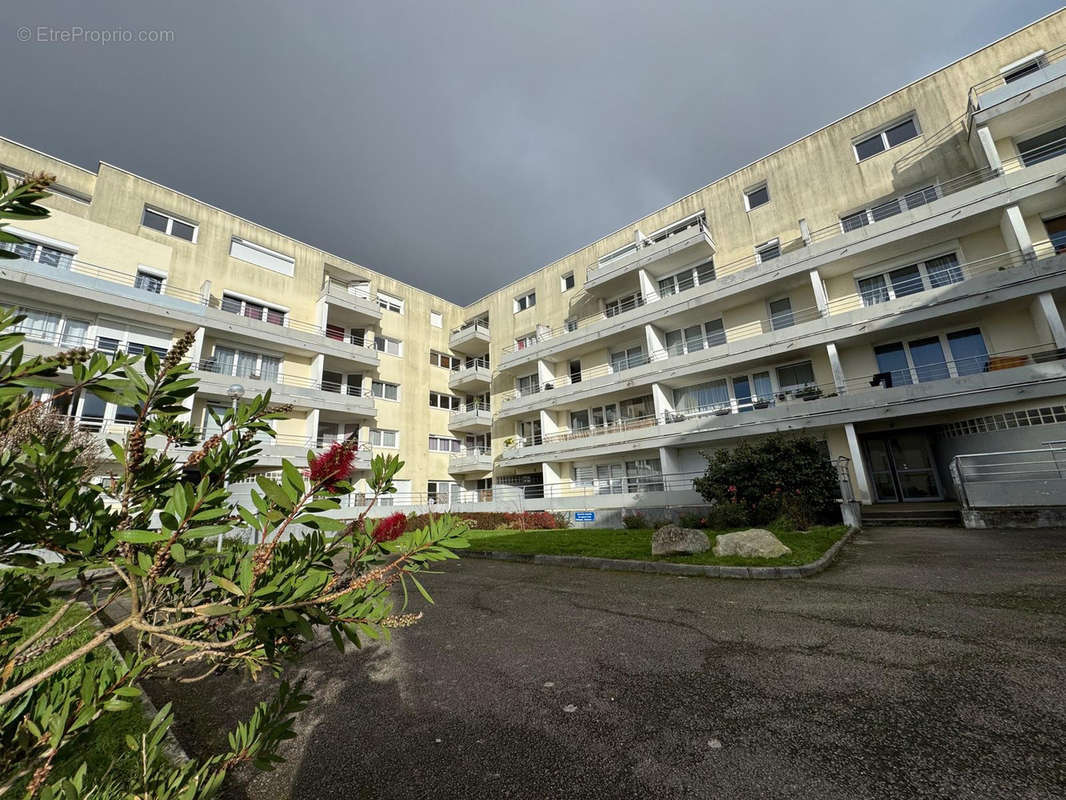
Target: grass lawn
(108,753)
(806,546)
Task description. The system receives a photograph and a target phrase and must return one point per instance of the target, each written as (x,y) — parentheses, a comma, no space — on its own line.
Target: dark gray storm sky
(459,145)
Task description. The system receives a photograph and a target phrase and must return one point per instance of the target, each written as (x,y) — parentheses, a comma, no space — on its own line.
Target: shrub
(661,523)
(634,520)
(756,483)
(693,520)
(498,520)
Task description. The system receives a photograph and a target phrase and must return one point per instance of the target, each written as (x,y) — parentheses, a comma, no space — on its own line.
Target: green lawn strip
(807,546)
(108,754)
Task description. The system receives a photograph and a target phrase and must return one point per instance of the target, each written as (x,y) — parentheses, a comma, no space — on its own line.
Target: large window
(702,397)
(385,391)
(932,273)
(695,337)
(525,301)
(444,444)
(889,208)
(686,279)
(619,305)
(781,313)
(445,401)
(527,384)
(644,475)
(384,344)
(384,438)
(924,359)
(758,196)
(252,309)
(795,376)
(1043,147)
(261,256)
(243,364)
(628,358)
(167,223)
(41,253)
(1056,231)
(443,360)
(389,303)
(889,137)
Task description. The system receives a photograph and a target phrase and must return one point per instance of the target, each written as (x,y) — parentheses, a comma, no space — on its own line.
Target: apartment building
(892,284)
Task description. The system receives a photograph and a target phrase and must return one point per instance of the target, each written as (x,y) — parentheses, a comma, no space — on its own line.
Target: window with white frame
(781,313)
(686,279)
(888,137)
(442,491)
(566,282)
(627,358)
(384,390)
(436,319)
(447,402)
(522,342)
(756,196)
(616,254)
(339,383)
(620,305)
(389,303)
(889,208)
(527,384)
(525,301)
(243,364)
(169,224)
(53,328)
(795,376)
(149,280)
(385,344)
(253,309)
(1016,70)
(380,437)
(924,359)
(674,228)
(931,273)
(260,256)
(41,253)
(444,444)
(767,251)
(444,360)
(695,337)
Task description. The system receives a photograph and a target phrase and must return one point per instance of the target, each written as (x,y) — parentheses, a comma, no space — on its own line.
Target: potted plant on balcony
(722,411)
(760,402)
(809,392)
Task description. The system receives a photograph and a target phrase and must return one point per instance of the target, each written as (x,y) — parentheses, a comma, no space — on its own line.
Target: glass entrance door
(902,468)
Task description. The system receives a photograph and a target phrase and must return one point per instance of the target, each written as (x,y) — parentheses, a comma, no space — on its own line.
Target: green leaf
(141,537)
(228,585)
(217,610)
(273,491)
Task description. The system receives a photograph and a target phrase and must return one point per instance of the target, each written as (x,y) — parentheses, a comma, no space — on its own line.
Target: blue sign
(585,516)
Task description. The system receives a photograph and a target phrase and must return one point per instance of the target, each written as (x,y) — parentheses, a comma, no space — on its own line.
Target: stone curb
(669,568)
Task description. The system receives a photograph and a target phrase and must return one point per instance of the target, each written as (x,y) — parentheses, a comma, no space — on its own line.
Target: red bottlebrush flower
(334,465)
(392,527)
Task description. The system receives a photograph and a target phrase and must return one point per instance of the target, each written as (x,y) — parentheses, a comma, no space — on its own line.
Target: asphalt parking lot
(924,663)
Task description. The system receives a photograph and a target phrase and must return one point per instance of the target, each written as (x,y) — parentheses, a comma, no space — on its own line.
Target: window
(168,224)
(932,273)
(636,408)
(889,208)
(149,281)
(242,364)
(1025,66)
(383,344)
(579,421)
(41,253)
(566,283)
(337,383)
(389,303)
(385,391)
(442,491)
(795,376)
(767,251)
(444,444)
(686,279)
(40,326)
(621,304)
(628,358)
(527,384)
(695,337)
(384,438)
(702,397)
(759,196)
(443,360)
(445,401)
(968,351)
(922,360)
(436,319)
(530,431)
(644,475)
(252,309)
(522,342)
(1056,231)
(616,254)
(1043,147)
(252,253)
(525,301)
(889,137)
(575,372)
(781,314)
(570,324)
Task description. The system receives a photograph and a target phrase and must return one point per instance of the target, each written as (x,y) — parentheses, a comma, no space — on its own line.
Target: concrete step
(917,517)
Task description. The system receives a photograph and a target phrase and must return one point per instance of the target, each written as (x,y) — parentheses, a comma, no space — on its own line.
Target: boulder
(752,543)
(673,540)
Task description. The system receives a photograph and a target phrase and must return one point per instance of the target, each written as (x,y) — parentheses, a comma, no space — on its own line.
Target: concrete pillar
(649,287)
(312,426)
(655,342)
(552,477)
(317,365)
(820,298)
(194,356)
(671,465)
(663,400)
(1015,234)
(805,231)
(545,372)
(548,425)
(1048,320)
(988,148)
(205,293)
(838,370)
(322,313)
(858,465)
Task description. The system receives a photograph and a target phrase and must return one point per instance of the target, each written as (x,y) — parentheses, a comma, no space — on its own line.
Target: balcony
(471,460)
(470,339)
(352,300)
(471,418)
(1003,377)
(1029,78)
(473,376)
(303,393)
(660,254)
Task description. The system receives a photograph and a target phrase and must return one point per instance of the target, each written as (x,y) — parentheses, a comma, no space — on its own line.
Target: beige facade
(920,237)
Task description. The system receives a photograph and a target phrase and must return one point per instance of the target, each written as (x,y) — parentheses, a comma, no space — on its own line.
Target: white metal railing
(995,81)
(1012,479)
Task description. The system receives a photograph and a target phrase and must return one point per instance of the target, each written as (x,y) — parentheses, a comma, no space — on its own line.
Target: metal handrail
(467,451)
(471,326)
(213,366)
(467,408)
(995,81)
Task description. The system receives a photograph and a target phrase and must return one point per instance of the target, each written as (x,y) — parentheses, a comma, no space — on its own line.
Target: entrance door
(902,468)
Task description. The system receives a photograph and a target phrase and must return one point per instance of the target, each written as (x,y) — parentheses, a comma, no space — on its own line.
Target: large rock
(752,543)
(673,540)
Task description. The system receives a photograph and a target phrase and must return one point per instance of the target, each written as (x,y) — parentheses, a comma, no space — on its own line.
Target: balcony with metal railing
(350,302)
(1027,76)
(950,201)
(473,375)
(471,418)
(471,460)
(946,385)
(470,338)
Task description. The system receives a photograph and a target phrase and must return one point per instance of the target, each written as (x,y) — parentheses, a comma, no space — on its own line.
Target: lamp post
(235,392)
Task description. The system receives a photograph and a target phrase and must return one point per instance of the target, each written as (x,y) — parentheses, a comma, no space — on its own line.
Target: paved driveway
(925,663)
